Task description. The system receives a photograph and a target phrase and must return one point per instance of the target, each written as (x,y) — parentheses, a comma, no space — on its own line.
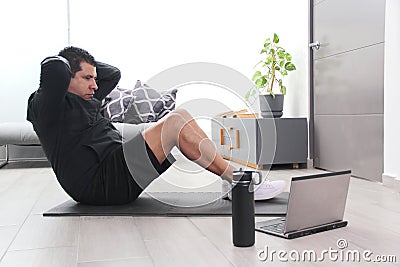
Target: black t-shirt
(74,135)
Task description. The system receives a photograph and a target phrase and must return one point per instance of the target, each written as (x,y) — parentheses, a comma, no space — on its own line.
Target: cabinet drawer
(240,135)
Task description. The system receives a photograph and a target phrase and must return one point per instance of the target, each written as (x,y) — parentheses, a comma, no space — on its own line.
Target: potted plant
(275,65)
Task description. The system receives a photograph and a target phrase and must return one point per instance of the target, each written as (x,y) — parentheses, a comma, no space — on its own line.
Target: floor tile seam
(8,225)
(40,248)
(78,238)
(211,242)
(144,241)
(116,259)
(38,198)
(20,227)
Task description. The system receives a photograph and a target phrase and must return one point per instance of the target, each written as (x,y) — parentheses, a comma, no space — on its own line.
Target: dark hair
(76,56)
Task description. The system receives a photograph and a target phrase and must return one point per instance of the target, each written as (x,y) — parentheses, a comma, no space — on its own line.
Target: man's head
(83,67)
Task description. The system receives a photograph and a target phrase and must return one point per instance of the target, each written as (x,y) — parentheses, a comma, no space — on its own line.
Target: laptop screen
(316,200)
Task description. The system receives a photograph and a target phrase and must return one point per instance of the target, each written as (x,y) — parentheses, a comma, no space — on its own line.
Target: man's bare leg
(180,129)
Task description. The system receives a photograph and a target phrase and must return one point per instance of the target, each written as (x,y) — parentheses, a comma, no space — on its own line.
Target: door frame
(311,147)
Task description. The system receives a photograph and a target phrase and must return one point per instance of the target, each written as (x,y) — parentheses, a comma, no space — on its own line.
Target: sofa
(22,134)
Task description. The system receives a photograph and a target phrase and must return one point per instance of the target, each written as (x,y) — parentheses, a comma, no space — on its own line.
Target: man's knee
(176,120)
(184,113)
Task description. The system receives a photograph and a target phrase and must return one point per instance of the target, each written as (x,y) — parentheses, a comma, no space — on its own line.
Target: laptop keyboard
(277,227)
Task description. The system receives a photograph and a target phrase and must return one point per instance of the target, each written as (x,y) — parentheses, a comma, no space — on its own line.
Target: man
(86,152)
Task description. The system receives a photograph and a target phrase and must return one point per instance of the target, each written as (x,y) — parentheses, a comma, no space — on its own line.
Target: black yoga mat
(178,204)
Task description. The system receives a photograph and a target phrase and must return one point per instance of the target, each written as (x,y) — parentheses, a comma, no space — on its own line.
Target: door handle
(237,139)
(315,46)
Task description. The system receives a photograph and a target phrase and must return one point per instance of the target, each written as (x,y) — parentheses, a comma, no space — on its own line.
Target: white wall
(144,38)
(148,37)
(29,30)
(392,92)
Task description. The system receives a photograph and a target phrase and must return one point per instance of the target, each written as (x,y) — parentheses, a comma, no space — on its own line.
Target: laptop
(316,204)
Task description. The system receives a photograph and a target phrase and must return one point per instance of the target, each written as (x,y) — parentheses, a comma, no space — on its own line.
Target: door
(347,93)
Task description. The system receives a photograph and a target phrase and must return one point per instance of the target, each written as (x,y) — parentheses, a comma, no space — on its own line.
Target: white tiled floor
(28,239)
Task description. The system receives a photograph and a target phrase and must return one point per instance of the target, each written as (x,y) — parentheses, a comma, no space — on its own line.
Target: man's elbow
(118,75)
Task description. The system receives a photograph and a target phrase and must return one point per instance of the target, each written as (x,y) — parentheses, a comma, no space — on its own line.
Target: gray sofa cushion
(18,133)
(22,133)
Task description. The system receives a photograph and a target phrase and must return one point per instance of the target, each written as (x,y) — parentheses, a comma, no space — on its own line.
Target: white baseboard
(391,181)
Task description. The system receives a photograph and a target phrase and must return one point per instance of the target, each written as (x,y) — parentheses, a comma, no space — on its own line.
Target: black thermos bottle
(243,221)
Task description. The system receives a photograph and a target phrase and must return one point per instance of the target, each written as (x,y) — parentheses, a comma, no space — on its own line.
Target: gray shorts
(142,163)
(125,173)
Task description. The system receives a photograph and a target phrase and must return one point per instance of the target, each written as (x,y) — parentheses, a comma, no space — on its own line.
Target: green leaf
(256,75)
(277,67)
(272,51)
(283,90)
(290,66)
(253,92)
(281,63)
(288,57)
(284,72)
(263,51)
(260,82)
(276,38)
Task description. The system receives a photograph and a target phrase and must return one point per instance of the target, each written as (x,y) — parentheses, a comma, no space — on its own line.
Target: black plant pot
(271,107)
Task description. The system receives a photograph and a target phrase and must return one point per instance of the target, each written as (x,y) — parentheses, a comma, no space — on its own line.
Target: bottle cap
(246,177)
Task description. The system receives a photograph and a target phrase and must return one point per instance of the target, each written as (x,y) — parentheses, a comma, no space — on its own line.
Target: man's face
(83,83)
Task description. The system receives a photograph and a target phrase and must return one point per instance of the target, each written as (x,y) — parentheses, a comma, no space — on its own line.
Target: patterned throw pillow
(139,105)
(149,105)
(116,103)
